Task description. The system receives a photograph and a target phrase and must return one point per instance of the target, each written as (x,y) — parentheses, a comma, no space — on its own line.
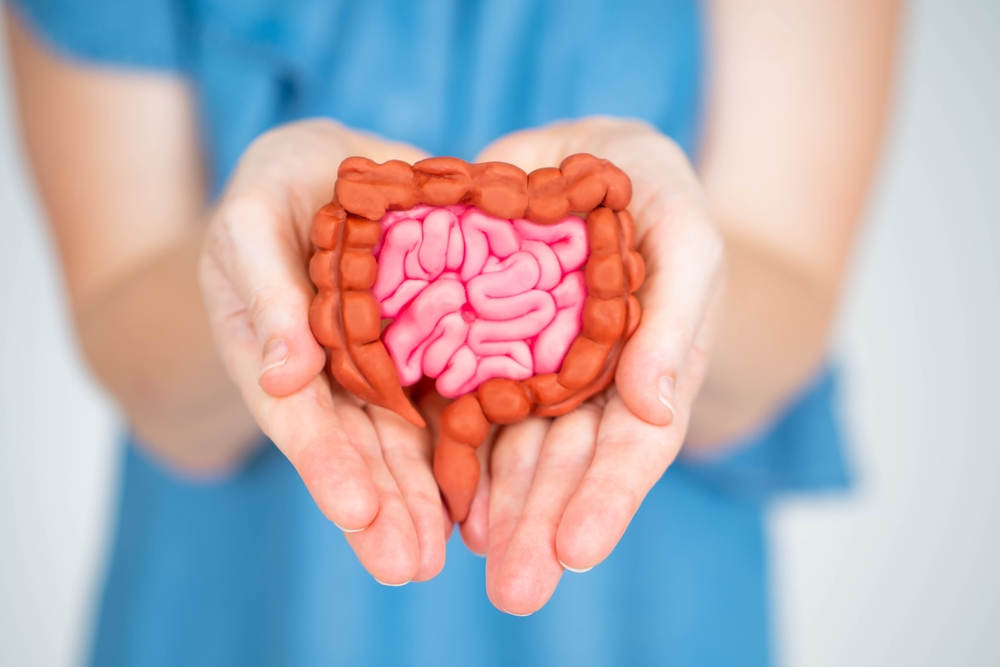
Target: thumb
(255,246)
(683,284)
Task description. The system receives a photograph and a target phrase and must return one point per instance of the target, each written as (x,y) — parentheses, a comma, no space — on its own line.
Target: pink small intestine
(473,297)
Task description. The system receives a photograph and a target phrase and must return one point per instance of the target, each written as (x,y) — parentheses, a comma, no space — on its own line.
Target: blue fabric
(246,571)
(448,76)
(139,34)
(800,451)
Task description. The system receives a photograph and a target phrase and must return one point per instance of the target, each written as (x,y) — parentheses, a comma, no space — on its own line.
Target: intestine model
(511,291)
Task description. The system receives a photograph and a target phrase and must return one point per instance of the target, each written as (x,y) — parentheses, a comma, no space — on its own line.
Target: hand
(560,492)
(368,470)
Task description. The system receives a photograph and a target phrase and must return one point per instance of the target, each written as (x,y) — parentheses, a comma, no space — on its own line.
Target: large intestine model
(512,291)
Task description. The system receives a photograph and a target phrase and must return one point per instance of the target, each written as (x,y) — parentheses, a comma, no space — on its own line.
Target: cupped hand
(368,470)
(560,492)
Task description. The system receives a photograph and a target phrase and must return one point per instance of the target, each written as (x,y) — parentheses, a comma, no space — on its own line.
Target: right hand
(368,470)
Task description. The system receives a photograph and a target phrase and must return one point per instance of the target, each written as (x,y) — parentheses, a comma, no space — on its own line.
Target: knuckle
(219,238)
(713,245)
(676,343)
(508,459)
(427,495)
(658,349)
(245,209)
(639,441)
(263,303)
(648,455)
(209,269)
(230,222)
(277,311)
(612,487)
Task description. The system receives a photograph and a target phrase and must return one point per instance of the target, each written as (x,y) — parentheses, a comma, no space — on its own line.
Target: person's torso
(447,76)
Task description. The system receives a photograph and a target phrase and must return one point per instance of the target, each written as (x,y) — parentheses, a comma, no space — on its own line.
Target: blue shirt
(246,571)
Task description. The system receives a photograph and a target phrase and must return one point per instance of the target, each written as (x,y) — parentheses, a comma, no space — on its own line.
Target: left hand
(559,493)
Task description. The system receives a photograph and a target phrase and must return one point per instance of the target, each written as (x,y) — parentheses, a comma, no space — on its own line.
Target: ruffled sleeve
(803,451)
(130,33)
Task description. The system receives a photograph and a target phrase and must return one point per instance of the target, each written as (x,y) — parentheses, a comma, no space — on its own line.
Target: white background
(902,572)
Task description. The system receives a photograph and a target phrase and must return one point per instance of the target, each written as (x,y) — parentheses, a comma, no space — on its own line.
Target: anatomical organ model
(512,291)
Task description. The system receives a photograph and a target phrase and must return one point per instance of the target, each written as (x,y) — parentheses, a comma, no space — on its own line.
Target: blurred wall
(901,572)
(906,571)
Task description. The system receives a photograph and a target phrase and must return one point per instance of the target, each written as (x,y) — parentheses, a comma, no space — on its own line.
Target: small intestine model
(512,292)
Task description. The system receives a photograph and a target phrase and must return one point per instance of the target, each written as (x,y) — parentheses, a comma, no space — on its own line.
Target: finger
(308,431)
(389,547)
(254,242)
(630,456)
(407,452)
(530,568)
(684,258)
(512,462)
(304,425)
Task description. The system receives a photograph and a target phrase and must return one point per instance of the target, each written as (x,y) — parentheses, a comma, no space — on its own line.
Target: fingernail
(391,585)
(665,392)
(573,569)
(275,354)
(510,613)
(348,530)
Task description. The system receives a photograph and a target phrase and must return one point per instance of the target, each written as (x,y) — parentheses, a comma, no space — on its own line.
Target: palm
(562,491)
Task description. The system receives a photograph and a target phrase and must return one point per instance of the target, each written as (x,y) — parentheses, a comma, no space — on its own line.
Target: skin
(195,316)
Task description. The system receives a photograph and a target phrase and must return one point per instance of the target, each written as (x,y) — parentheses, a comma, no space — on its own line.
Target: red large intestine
(473,297)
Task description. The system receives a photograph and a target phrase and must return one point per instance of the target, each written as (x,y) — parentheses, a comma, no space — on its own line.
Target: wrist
(209,441)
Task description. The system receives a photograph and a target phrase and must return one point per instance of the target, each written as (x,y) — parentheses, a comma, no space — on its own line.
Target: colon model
(473,297)
(509,316)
